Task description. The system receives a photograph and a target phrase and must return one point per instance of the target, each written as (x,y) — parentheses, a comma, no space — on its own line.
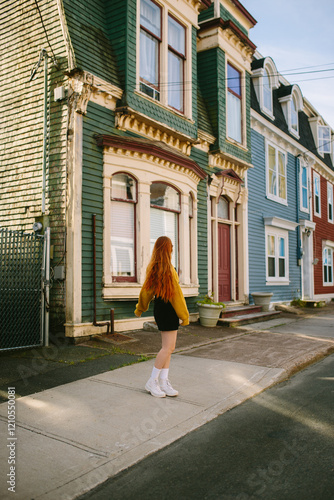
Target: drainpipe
(94,282)
(45,128)
(299,249)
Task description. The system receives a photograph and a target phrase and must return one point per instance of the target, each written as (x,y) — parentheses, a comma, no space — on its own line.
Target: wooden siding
(324,230)
(87,26)
(21,135)
(258,207)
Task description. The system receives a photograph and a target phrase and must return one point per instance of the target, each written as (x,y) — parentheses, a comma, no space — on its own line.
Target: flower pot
(209,314)
(262,299)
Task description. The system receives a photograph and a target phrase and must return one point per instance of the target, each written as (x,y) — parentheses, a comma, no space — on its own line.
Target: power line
(54,60)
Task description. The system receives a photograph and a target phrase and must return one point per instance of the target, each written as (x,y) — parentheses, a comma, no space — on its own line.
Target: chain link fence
(21,289)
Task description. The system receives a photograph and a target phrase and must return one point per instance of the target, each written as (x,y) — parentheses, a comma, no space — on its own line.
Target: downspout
(299,248)
(94,283)
(45,128)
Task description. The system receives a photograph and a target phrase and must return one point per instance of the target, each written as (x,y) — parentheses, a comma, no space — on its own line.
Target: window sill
(130,291)
(268,113)
(237,144)
(277,283)
(282,201)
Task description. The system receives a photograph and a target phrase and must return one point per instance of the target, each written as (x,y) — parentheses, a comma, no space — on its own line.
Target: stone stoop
(244,315)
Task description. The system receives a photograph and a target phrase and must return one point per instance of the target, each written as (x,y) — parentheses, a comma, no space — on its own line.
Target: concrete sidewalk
(70,438)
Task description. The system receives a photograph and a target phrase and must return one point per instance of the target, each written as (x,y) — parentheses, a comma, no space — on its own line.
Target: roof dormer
(291,100)
(322,135)
(265,80)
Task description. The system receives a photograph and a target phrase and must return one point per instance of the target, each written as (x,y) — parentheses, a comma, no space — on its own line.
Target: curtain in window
(272,171)
(122,239)
(234,117)
(175,81)
(149,57)
(150,16)
(164,223)
(281,175)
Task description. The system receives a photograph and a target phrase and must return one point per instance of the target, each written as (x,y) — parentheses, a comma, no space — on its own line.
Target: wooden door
(224,263)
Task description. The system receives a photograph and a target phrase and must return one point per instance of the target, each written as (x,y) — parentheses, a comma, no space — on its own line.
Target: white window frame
(145,172)
(329,249)
(180,17)
(323,141)
(316,177)
(330,203)
(283,201)
(302,167)
(277,233)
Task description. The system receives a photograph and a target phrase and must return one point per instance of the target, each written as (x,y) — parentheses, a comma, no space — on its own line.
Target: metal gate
(24,289)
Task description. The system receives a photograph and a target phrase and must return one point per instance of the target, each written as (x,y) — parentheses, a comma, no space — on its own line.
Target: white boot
(152,386)
(166,386)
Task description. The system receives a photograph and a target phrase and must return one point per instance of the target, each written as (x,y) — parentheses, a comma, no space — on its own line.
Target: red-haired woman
(162,283)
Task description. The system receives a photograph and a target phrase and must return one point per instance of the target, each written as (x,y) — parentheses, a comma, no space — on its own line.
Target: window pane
(233,80)
(281,268)
(294,115)
(150,16)
(122,239)
(234,117)
(176,35)
(175,81)
(271,245)
(304,198)
(267,100)
(324,139)
(272,170)
(281,247)
(149,58)
(191,206)
(223,209)
(123,187)
(165,196)
(282,179)
(271,267)
(164,224)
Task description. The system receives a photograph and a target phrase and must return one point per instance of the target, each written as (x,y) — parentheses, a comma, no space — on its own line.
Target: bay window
(234,104)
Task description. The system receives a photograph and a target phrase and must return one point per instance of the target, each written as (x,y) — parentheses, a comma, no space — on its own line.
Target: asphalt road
(276,446)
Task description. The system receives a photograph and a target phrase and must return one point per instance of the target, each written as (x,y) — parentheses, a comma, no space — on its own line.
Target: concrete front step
(247,319)
(239,311)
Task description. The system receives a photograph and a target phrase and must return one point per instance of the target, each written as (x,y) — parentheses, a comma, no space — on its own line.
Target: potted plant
(209,310)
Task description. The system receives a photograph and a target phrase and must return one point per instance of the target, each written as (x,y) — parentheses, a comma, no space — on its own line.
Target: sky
(299,34)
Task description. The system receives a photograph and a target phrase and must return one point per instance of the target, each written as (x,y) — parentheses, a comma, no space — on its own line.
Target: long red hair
(159,272)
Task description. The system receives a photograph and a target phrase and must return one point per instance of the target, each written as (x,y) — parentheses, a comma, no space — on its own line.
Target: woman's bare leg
(168,340)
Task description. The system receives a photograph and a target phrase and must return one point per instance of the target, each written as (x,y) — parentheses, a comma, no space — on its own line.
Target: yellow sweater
(178,302)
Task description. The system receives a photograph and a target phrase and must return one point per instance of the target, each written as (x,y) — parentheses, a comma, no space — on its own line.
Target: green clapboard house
(148,134)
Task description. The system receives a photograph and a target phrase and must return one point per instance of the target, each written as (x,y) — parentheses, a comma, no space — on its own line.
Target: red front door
(224,263)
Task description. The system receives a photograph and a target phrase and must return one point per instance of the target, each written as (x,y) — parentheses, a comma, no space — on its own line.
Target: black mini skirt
(165,315)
